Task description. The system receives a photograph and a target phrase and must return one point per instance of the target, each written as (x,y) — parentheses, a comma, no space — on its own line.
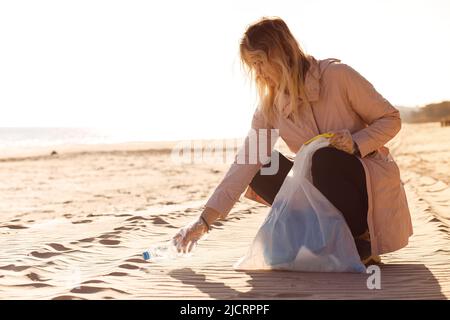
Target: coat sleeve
(382,119)
(246,164)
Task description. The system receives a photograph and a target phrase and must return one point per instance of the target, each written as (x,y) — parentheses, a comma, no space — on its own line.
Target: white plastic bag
(303,230)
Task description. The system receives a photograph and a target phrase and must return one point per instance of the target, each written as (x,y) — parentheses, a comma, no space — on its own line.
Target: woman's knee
(324,160)
(261,181)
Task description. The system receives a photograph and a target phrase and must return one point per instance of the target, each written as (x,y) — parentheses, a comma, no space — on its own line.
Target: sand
(73,226)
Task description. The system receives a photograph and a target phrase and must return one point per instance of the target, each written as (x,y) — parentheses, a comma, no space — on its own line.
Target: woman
(303,97)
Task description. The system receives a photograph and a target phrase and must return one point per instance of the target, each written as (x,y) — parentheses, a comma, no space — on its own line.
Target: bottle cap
(146,255)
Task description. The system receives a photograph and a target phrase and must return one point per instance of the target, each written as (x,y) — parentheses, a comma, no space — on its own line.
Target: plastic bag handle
(325,135)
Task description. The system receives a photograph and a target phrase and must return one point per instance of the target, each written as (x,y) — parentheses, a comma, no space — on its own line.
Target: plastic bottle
(164,251)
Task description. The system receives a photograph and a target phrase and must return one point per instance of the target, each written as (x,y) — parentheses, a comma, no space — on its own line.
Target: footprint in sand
(68,297)
(58,247)
(109,242)
(44,255)
(48,254)
(128,266)
(12,267)
(45,211)
(155,221)
(123,228)
(34,285)
(159,220)
(108,236)
(81,221)
(11,226)
(35,277)
(180,186)
(137,218)
(117,274)
(88,290)
(93,281)
(102,196)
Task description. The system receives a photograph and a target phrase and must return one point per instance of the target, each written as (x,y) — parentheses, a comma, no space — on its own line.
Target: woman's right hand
(186,238)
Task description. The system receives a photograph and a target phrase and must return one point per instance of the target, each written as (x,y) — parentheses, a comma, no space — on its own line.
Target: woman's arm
(382,118)
(238,177)
(241,173)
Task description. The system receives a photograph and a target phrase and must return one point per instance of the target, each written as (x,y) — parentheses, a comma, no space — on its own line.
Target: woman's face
(265,71)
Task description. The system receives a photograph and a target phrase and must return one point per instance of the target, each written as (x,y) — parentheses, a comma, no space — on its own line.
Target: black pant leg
(267,186)
(340,177)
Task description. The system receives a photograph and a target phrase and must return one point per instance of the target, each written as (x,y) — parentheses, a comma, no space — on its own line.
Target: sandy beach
(74,225)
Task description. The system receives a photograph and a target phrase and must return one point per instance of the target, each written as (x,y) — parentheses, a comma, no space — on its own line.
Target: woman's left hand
(342,140)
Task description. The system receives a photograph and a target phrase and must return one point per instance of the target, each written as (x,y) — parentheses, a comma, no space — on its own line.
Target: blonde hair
(269,42)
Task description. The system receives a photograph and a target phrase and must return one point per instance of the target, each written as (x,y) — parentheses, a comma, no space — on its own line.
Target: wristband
(205,222)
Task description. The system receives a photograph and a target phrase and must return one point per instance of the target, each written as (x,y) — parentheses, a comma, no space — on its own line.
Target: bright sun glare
(172,67)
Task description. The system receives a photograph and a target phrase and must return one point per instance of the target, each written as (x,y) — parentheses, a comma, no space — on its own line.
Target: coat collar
(312,80)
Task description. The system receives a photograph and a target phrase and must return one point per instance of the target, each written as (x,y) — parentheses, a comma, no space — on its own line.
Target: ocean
(23,139)
(27,141)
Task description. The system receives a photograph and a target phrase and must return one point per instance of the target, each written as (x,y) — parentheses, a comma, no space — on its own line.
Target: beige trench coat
(341,99)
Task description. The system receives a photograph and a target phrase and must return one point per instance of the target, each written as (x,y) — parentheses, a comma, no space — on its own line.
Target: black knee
(267,186)
(340,177)
(325,161)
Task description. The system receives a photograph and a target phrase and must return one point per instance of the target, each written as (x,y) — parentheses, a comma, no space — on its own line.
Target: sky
(172,67)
